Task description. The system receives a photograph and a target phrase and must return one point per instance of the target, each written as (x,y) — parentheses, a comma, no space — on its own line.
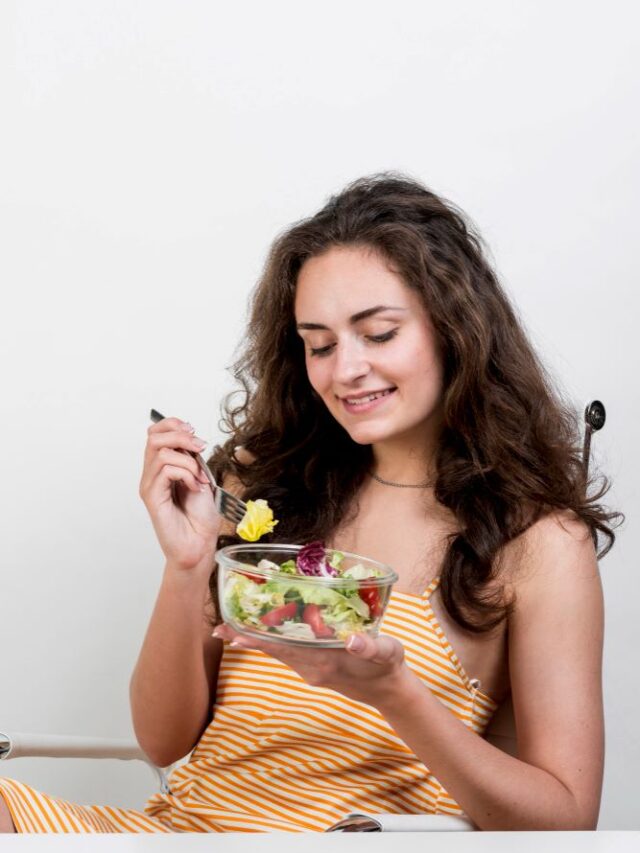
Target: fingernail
(234,644)
(355,643)
(199,443)
(187,427)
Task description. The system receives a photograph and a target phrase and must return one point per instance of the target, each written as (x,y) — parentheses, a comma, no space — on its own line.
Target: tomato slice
(255,578)
(313,617)
(280,614)
(371,596)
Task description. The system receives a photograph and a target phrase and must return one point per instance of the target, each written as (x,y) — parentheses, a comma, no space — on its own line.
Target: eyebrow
(355,318)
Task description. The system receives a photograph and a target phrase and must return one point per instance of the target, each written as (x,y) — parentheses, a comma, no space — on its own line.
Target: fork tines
(230,506)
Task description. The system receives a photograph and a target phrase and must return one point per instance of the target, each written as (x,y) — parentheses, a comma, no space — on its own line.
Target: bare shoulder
(557,550)
(560,529)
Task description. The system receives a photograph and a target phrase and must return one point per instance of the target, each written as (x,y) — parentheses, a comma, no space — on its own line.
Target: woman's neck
(400,463)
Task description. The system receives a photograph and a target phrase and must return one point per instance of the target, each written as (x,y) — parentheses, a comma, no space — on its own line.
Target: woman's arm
(173,684)
(555,660)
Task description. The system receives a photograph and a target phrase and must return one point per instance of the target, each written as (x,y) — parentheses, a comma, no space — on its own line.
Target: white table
(278,842)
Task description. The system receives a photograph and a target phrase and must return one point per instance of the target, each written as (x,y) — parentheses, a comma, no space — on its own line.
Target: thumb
(382,650)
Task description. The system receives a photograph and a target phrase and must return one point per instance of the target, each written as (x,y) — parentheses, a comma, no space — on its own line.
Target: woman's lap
(33,811)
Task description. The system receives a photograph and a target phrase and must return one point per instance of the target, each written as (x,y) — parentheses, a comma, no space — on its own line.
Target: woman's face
(366,333)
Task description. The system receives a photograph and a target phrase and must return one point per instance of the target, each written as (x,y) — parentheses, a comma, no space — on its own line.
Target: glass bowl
(259,598)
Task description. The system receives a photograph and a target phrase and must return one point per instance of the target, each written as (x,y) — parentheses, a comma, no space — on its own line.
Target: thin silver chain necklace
(401,485)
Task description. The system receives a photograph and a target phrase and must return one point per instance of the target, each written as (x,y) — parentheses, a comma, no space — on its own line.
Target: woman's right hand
(178,496)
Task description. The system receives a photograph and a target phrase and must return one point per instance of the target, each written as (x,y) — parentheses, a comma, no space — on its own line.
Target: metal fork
(228,505)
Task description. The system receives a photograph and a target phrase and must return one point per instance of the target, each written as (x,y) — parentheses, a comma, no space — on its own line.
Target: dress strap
(432,587)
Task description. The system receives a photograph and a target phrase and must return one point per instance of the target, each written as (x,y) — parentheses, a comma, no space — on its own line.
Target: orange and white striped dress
(281,754)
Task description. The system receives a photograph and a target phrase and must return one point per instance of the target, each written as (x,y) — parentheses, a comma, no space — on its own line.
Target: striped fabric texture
(281,754)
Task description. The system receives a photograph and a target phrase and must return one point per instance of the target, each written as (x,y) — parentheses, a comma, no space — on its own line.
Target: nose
(350,363)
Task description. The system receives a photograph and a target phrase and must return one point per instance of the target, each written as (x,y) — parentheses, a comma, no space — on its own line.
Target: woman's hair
(510,448)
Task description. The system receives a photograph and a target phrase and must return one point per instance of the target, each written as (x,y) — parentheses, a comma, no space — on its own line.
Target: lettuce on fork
(257,521)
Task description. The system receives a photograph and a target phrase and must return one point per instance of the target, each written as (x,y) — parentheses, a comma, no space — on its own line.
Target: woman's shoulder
(555,552)
(558,527)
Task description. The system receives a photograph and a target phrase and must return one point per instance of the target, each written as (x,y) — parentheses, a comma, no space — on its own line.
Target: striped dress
(280,754)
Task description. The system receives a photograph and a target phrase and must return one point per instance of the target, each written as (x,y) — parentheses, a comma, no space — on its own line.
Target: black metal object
(595,416)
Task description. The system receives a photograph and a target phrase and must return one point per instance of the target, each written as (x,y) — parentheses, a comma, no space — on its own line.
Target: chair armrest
(22,744)
(356,822)
(423,823)
(29,744)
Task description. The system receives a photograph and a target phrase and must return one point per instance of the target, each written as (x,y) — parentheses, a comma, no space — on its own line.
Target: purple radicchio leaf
(312,561)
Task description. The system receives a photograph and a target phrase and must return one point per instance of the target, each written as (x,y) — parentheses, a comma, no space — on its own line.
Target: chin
(368,433)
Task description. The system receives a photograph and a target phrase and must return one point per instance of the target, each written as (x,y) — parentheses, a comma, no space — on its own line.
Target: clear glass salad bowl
(264,591)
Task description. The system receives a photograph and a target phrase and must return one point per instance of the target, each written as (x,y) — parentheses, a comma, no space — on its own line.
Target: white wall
(150,152)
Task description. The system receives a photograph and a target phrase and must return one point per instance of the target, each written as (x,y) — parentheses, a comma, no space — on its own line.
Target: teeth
(362,400)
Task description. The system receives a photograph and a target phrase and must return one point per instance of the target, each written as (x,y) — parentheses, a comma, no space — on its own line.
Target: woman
(393,407)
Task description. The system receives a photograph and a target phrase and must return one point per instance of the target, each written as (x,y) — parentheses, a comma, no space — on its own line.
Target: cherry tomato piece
(313,617)
(371,596)
(280,614)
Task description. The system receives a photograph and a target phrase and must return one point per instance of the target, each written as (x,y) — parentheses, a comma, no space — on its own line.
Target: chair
(501,732)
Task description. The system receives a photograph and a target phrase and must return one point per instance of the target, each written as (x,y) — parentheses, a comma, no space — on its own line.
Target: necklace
(401,485)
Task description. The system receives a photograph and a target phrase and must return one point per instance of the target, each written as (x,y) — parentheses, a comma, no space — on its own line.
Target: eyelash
(375,339)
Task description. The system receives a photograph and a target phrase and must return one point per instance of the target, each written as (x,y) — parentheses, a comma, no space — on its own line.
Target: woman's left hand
(368,669)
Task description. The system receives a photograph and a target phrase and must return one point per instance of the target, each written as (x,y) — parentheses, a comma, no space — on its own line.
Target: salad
(283,601)
(257,520)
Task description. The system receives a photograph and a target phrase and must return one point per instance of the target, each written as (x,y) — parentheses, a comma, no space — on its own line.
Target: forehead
(345,280)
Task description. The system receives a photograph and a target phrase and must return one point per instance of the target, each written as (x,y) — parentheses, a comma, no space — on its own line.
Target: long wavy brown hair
(510,447)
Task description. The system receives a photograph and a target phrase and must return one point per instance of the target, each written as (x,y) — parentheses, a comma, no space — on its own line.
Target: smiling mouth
(360,401)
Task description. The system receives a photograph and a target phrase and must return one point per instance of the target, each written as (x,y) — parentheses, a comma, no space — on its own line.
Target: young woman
(393,407)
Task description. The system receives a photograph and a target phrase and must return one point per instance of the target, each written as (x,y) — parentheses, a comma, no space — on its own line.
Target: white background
(149,153)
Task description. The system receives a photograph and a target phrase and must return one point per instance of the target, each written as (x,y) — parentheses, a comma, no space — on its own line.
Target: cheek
(420,370)
(317,374)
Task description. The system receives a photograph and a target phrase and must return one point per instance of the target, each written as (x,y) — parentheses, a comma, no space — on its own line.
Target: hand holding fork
(228,505)
(176,488)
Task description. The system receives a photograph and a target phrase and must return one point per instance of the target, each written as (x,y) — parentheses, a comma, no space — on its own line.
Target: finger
(161,487)
(176,458)
(236,640)
(224,632)
(243,641)
(177,440)
(157,474)
(380,650)
(170,424)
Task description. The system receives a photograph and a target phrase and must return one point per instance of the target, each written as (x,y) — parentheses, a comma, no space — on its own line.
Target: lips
(366,395)
(363,405)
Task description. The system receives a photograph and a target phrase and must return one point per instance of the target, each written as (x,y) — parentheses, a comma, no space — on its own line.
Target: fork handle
(156,417)
(203,465)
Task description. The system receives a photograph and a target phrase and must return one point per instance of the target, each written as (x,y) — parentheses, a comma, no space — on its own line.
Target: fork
(228,505)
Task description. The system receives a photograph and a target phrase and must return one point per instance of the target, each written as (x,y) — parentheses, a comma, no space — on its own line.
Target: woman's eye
(321,350)
(374,339)
(380,339)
